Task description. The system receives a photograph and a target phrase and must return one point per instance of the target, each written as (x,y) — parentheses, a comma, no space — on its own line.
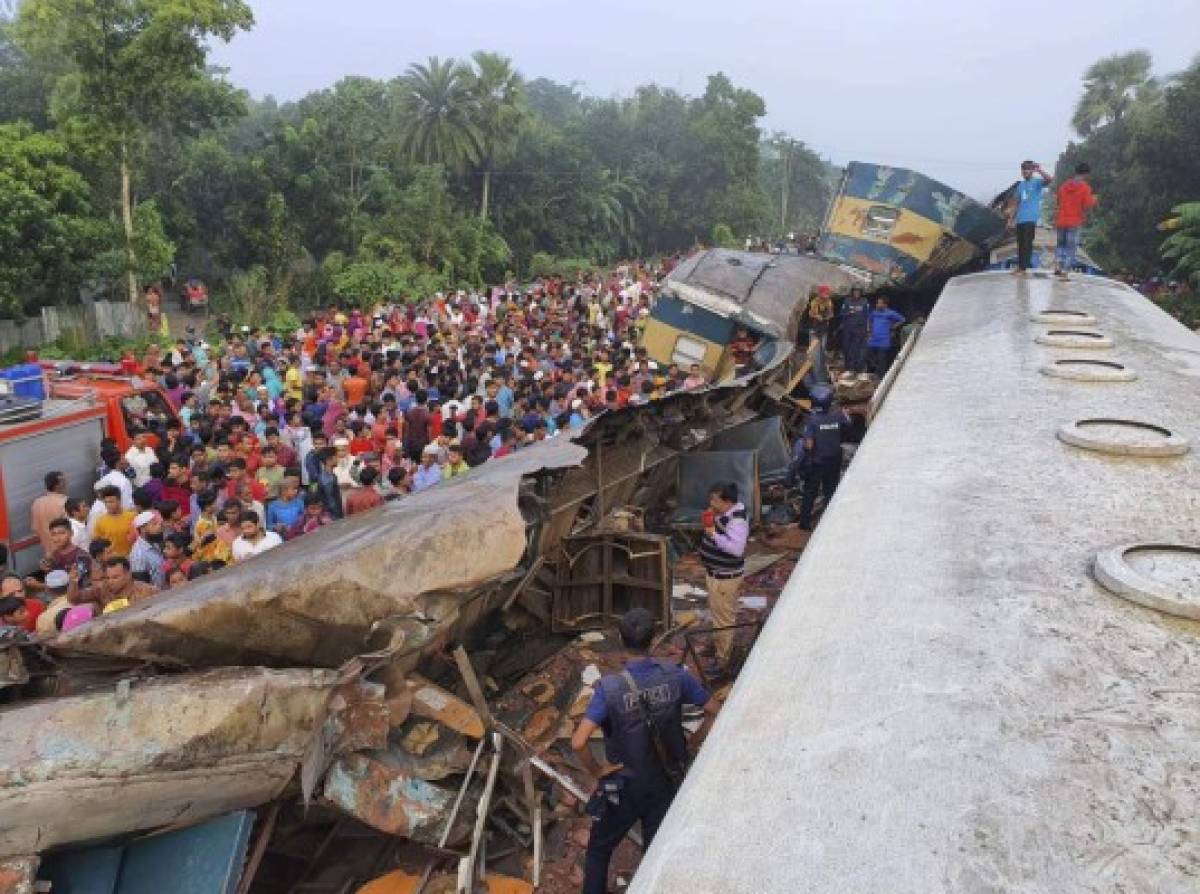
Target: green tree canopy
(131,63)
(48,234)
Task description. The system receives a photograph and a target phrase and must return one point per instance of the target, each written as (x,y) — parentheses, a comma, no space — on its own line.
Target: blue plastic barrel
(27,380)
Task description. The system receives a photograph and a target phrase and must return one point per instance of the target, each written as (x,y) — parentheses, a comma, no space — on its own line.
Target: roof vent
(1068,317)
(1161,576)
(1083,370)
(1123,437)
(1074,338)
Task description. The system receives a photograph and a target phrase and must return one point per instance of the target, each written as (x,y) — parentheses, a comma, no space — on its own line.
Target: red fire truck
(87,402)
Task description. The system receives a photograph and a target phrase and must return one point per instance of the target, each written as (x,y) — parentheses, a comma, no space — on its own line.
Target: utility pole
(785,154)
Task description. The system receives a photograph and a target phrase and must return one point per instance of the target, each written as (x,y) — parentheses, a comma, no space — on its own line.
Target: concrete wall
(82,323)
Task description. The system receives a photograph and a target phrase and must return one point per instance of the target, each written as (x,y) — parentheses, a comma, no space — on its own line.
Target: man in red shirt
(1075,197)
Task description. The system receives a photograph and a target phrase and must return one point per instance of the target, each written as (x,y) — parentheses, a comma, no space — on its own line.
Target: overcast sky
(961,91)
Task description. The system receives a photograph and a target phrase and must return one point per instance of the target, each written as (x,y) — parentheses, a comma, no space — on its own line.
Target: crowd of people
(279,433)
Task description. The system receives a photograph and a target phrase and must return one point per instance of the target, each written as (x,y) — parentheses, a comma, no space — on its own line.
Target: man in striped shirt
(722,553)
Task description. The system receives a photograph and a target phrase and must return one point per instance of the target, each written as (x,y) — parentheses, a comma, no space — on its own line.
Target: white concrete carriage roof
(944,699)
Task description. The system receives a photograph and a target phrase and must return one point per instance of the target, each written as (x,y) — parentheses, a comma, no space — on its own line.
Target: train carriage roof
(765,292)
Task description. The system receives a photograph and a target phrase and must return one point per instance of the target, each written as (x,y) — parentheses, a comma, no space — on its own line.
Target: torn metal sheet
(393,801)
(168,751)
(12,667)
(435,703)
(316,600)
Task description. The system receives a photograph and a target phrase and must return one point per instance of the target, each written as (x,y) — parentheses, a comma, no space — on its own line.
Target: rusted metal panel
(435,703)
(390,799)
(17,875)
(166,751)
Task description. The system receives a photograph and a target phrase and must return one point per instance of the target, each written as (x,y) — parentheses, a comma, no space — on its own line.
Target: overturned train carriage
(903,228)
(708,296)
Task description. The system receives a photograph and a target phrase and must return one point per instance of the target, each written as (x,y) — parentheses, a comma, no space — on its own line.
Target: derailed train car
(905,229)
(714,292)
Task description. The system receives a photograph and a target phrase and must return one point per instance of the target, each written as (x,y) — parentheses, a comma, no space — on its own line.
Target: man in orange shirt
(355,388)
(1075,197)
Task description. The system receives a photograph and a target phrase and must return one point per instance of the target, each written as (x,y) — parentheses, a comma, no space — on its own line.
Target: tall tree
(131,60)
(47,231)
(438,114)
(1110,88)
(499,106)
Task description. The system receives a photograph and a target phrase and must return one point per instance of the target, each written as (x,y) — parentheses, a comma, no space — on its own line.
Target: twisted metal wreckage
(293,675)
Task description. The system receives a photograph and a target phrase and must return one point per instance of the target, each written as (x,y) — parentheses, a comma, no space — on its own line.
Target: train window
(688,351)
(879,221)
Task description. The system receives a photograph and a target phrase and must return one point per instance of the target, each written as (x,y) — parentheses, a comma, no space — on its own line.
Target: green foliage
(284,321)
(456,173)
(367,283)
(129,66)
(723,237)
(542,265)
(47,231)
(1144,163)
(153,250)
(1182,247)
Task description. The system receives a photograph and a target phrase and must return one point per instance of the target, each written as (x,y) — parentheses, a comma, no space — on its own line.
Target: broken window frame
(682,353)
(879,222)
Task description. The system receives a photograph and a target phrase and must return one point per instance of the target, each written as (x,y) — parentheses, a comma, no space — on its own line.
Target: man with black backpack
(640,712)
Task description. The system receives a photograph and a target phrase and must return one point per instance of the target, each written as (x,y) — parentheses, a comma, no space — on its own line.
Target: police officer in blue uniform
(823,444)
(640,712)
(856,313)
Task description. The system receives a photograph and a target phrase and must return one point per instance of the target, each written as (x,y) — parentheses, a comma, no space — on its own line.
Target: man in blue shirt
(284,512)
(640,713)
(879,346)
(1028,211)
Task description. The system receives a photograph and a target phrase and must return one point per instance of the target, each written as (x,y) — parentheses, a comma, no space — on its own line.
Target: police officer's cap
(637,627)
(822,397)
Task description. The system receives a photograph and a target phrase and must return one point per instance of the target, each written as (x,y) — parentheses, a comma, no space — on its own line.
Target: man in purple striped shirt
(722,553)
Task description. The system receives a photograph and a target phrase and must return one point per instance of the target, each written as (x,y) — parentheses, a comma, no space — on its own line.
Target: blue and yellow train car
(903,228)
(712,294)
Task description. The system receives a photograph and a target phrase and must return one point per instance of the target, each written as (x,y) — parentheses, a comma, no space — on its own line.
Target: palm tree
(1111,87)
(499,92)
(616,204)
(438,114)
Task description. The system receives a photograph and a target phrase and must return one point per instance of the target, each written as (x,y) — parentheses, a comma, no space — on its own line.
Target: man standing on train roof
(1075,198)
(640,713)
(823,444)
(1028,211)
